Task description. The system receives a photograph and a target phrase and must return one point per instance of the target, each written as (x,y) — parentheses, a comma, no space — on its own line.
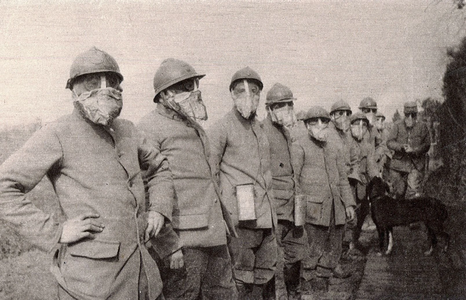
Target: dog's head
(377,187)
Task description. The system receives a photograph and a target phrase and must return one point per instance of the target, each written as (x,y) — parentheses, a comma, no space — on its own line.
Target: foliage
(396,116)
(452,117)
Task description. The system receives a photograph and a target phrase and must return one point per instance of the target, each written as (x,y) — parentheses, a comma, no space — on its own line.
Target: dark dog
(388,212)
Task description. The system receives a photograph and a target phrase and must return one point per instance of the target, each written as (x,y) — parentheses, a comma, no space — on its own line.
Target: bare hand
(408,148)
(80,227)
(350,213)
(176,260)
(155,223)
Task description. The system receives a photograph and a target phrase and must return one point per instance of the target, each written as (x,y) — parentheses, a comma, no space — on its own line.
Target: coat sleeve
(372,166)
(157,176)
(343,184)
(166,242)
(217,135)
(19,174)
(425,141)
(355,160)
(392,144)
(297,161)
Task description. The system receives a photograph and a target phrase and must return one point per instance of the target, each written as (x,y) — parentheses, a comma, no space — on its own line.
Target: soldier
(291,240)
(410,139)
(198,213)
(383,155)
(94,161)
(367,169)
(368,106)
(241,154)
(340,114)
(319,166)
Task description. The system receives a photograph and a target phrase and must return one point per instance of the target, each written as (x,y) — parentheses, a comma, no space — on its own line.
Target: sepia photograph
(243,150)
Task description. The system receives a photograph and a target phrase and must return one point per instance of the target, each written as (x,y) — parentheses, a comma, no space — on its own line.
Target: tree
(396,116)
(452,116)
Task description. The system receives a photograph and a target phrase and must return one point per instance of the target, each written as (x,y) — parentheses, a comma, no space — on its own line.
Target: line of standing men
(217,212)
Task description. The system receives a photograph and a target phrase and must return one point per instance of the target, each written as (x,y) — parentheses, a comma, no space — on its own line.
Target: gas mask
(379,124)
(283,116)
(341,120)
(410,119)
(318,129)
(358,129)
(370,115)
(246,101)
(188,104)
(101,105)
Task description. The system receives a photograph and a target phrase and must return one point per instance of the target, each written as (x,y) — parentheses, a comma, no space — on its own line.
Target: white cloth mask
(318,130)
(358,130)
(341,122)
(283,116)
(188,104)
(371,117)
(409,121)
(246,103)
(100,106)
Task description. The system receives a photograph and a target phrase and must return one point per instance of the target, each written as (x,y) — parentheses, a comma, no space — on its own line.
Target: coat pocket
(95,249)
(89,268)
(315,198)
(185,222)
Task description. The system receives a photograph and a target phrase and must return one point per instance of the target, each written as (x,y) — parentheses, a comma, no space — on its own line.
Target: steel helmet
(340,105)
(246,73)
(380,115)
(300,115)
(359,116)
(172,71)
(410,107)
(92,61)
(279,93)
(316,112)
(367,102)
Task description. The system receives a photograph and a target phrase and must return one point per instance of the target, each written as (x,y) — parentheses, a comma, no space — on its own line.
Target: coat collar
(169,113)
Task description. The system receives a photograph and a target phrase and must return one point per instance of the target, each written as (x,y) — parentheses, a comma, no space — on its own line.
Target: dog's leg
(432,238)
(381,232)
(429,252)
(447,241)
(390,241)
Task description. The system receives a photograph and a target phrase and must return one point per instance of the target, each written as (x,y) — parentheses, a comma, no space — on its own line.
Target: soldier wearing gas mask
(367,169)
(321,175)
(410,139)
(240,153)
(340,114)
(94,160)
(290,234)
(368,106)
(203,266)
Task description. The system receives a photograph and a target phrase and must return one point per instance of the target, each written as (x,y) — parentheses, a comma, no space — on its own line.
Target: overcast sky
(393,51)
